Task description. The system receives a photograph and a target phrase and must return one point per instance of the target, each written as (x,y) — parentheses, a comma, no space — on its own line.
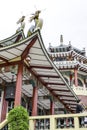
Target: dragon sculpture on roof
(38,22)
(22,23)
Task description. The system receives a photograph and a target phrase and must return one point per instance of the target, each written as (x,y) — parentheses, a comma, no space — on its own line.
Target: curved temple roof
(41,66)
(13,39)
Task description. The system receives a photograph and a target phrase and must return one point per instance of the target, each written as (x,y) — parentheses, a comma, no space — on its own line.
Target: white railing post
(52,123)
(31,124)
(76,123)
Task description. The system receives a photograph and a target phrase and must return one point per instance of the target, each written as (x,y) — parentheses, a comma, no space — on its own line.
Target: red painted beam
(26,51)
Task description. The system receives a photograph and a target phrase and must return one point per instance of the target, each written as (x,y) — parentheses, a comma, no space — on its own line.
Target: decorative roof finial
(61,39)
(22,23)
(70,43)
(38,22)
(49,44)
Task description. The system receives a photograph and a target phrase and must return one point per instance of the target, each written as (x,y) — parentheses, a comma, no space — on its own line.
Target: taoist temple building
(72,63)
(44,82)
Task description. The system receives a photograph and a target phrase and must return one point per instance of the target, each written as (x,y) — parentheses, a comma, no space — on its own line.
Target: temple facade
(72,62)
(28,77)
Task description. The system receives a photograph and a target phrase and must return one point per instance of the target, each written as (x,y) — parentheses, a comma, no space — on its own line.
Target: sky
(66,17)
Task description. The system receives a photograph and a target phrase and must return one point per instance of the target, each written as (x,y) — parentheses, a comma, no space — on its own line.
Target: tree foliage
(18,119)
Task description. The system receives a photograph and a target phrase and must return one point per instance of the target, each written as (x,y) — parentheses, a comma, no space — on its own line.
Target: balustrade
(54,122)
(79,90)
(58,122)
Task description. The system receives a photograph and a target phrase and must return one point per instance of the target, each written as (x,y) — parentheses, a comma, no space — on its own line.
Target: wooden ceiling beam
(53,83)
(64,96)
(49,76)
(60,90)
(40,67)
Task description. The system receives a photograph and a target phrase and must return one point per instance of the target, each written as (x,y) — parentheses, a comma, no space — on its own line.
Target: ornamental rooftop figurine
(38,22)
(22,23)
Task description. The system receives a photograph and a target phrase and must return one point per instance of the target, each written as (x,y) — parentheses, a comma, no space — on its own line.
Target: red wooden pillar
(76,77)
(84,83)
(4,108)
(52,107)
(70,79)
(18,90)
(34,101)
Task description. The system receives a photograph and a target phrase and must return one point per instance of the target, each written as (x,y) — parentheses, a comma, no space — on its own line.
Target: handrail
(53,122)
(70,121)
(2,124)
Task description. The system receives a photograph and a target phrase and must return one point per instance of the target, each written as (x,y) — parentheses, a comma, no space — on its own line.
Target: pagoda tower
(72,62)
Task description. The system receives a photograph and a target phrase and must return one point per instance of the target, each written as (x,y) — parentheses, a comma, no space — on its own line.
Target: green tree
(18,119)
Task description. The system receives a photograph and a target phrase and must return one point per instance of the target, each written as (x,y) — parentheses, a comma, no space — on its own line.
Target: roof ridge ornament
(69,43)
(22,24)
(61,39)
(38,22)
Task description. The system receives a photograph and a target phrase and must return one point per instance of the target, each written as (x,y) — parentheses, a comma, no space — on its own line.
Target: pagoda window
(52,49)
(56,49)
(64,58)
(68,48)
(63,49)
(59,49)
(57,59)
(60,59)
